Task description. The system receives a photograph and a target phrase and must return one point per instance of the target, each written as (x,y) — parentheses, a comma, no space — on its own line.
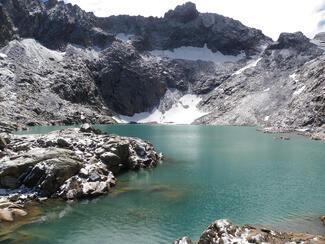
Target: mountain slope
(60,64)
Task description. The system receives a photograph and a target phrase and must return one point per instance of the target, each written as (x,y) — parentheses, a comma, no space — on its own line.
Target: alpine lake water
(209,173)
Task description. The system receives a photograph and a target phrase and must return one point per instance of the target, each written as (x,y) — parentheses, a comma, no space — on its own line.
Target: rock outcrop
(6,28)
(69,164)
(56,24)
(223,231)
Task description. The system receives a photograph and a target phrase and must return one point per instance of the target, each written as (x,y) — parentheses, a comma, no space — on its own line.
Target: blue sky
(272,17)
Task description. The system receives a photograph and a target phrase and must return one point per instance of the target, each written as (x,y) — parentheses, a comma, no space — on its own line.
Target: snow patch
(197,53)
(266,118)
(251,64)
(124,37)
(299,91)
(184,111)
(294,77)
(302,130)
(3,56)
(267,89)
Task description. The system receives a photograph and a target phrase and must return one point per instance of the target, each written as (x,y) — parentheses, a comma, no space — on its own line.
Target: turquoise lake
(209,172)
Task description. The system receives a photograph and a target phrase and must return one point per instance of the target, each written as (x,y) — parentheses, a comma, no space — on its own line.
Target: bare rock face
(55,24)
(6,28)
(119,80)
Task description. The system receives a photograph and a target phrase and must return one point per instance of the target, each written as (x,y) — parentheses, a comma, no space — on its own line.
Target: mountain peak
(297,41)
(51,3)
(183,13)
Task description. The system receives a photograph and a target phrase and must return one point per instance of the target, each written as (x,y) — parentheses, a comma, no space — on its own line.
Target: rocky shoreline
(67,164)
(223,231)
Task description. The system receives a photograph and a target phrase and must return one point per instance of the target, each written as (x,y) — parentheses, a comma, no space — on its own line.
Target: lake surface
(210,172)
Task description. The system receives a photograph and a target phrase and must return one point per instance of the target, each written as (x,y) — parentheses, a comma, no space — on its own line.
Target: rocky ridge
(185,26)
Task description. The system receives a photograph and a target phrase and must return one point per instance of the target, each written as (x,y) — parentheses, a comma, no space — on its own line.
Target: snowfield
(197,53)
(185,111)
(299,91)
(3,56)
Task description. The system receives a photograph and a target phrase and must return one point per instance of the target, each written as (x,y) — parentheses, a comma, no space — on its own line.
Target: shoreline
(270,227)
(312,135)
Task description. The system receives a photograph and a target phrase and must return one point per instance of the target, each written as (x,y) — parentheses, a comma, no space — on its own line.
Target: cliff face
(66,65)
(55,24)
(6,28)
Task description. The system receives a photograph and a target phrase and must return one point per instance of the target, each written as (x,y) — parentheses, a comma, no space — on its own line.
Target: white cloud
(271,16)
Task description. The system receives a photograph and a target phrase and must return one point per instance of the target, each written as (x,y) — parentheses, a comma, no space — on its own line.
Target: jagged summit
(185,26)
(183,13)
(51,3)
(56,24)
(295,40)
(320,36)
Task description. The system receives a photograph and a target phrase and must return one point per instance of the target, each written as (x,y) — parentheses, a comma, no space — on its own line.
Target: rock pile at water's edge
(223,231)
(67,164)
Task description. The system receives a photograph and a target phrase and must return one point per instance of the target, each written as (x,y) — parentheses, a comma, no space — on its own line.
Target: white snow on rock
(302,129)
(184,111)
(299,91)
(267,89)
(3,56)
(248,66)
(294,77)
(197,53)
(124,37)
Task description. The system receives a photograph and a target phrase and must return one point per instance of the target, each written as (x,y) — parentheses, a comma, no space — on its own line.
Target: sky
(270,16)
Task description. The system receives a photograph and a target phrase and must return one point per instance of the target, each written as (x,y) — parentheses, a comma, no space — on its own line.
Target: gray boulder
(49,175)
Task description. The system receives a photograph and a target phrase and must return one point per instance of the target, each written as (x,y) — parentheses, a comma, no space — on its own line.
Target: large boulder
(93,180)
(47,176)
(13,173)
